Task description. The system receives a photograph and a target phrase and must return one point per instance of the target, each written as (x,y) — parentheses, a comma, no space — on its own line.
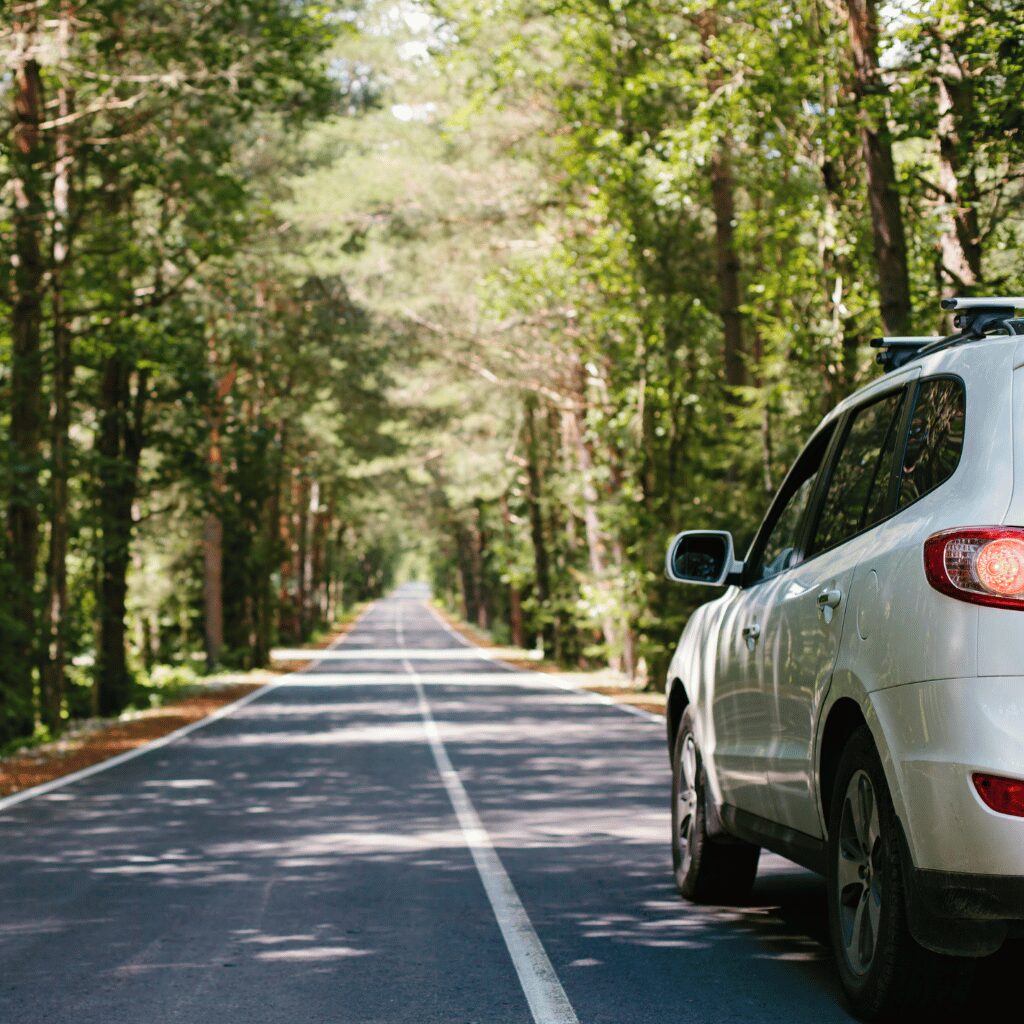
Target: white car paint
(940,682)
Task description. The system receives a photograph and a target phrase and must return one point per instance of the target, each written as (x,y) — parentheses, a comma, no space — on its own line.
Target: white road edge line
(147,748)
(594,698)
(544,993)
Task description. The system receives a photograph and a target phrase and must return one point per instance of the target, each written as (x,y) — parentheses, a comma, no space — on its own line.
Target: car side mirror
(702,556)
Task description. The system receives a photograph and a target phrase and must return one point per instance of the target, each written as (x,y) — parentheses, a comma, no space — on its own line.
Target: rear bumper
(962,914)
(965,862)
(972,897)
(937,734)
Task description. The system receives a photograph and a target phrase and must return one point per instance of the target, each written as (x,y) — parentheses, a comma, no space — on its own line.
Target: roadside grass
(93,740)
(169,697)
(319,640)
(604,681)
(172,696)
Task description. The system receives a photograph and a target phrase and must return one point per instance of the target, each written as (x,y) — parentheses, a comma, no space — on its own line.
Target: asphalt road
(407,832)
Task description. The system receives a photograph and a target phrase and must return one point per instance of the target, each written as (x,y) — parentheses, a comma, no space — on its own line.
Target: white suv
(855,698)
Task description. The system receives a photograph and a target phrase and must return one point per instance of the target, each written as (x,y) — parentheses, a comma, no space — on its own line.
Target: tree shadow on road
(327,864)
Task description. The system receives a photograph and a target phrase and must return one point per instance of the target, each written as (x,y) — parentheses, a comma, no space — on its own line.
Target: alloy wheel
(859,875)
(686,800)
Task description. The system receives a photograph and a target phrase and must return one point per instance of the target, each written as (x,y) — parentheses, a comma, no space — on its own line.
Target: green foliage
(614,319)
(503,296)
(166,683)
(214,378)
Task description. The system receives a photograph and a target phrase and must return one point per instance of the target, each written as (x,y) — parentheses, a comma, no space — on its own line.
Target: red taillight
(1000,566)
(981,564)
(1003,795)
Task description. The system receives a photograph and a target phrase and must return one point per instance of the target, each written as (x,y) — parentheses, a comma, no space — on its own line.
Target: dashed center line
(544,993)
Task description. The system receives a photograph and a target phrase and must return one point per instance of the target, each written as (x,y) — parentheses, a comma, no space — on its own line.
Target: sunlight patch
(314,953)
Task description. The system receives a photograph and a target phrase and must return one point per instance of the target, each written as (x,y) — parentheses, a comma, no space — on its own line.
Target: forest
(300,299)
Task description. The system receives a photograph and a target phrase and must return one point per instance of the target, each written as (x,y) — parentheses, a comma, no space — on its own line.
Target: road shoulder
(96,741)
(605,683)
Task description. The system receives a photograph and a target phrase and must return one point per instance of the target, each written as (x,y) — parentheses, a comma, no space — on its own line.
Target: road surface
(406,832)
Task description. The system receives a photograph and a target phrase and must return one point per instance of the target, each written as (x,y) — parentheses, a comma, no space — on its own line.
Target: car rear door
(805,608)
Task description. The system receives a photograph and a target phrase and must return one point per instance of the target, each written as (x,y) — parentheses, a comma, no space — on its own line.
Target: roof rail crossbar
(905,341)
(900,349)
(983,302)
(975,317)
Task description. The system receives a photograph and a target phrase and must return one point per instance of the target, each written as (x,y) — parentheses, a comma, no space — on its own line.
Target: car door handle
(751,634)
(830,598)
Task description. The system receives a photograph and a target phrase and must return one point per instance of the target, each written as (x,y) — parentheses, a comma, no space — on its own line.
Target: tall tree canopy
(301,297)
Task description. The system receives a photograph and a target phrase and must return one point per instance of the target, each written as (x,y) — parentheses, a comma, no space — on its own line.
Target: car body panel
(740,710)
(938,733)
(939,681)
(801,645)
(1001,630)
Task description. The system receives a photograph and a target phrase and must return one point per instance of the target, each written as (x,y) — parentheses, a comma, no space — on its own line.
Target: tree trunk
(465,563)
(727,263)
(837,274)
(119,446)
(628,663)
(723,202)
(300,527)
(620,563)
(767,482)
(477,545)
(758,361)
(596,547)
(871,95)
(323,519)
(337,590)
(213,588)
(515,598)
(961,242)
(595,541)
(213,527)
(289,592)
(268,558)
(541,570)
(309,579)
(27,160)
(55,613)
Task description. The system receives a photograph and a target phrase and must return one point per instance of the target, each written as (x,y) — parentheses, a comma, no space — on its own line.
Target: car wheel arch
(850,706)
(844,718)
(676,704)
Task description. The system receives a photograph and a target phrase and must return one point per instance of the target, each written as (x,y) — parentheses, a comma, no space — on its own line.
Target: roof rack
(897,351)
(974,319)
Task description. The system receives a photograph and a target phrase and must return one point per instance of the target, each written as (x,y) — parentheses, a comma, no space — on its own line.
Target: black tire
(707,870)
(884,972)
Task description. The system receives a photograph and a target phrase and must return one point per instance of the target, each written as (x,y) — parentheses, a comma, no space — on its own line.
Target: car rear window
(935,440)
(859,488)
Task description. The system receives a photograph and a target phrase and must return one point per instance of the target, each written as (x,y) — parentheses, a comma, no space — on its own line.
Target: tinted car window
(858,491)
(777,551)
(935,440)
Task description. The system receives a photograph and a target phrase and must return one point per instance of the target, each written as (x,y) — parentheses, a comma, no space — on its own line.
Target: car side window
(935,440)
(859,488)
(776,549)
